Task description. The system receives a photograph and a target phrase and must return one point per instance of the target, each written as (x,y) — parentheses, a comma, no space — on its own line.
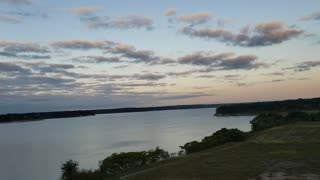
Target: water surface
(36,150)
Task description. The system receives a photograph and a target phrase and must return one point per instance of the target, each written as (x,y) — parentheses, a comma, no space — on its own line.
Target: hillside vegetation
(284,152)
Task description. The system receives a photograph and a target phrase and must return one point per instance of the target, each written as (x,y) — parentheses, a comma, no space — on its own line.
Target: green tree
(219,137)
(70,170)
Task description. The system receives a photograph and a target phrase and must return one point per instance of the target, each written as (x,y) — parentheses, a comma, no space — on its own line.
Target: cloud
(170,12)
(34,56)
(162,61)
(8,67)
(241,62)
(314,16)
(133,21)
(180,74)
(84,10)
(21,15)
(121,66)
(148,84)
(10,20)
(26,57)
(262,34)
(203,58)
(22,50)
(222,61)
(278,80)
(232,76)
(7,54)
(275,74)
(17,2)
(16,47)
(32,78)
(195,19)
(80,44)
(43,80)
(206,76)
(190,72)
(233,79)
(303,79)
(109,47)
(149,77)
(44,68)
(96,59)
(130,52)
(305,66)
(243,84)
(183,96)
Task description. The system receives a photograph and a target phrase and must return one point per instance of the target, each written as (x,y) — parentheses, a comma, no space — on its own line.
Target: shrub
(113,165)
(297,116)
(156,155)
(315,117)
(120,163)
(223,136)
(269,120)
(266,120)
(192,147)
(220,137)
(69,170)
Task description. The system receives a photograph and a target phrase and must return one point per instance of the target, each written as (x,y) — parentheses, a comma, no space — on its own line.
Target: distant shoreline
(37,116)
(228,109)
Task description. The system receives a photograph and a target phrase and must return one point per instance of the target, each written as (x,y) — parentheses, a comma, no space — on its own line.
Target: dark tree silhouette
(70,170)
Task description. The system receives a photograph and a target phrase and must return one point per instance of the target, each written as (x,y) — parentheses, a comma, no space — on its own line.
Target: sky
(67,55)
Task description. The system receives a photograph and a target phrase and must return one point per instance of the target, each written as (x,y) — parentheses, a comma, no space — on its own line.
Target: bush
(223,136)
(297,116)
(315,117)
(113,165)
(120,163)
(69,170)
(269,120)
(220,137)
(156,155)
(192,147)
(266,120)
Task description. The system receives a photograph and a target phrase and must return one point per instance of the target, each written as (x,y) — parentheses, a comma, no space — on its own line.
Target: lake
(36,150)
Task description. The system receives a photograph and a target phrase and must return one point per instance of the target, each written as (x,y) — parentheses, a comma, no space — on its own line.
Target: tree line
(268,107)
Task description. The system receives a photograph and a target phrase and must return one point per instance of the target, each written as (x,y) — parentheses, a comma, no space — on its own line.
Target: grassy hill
(285,152)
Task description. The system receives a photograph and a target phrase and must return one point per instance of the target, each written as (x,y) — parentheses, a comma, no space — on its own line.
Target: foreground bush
(69,170)
(120,163)
(113,165)
(220,137)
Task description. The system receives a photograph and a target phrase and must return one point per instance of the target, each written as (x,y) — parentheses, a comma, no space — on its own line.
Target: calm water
(36,150)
